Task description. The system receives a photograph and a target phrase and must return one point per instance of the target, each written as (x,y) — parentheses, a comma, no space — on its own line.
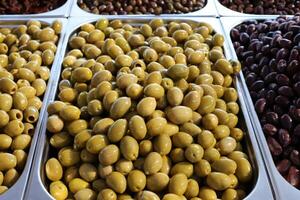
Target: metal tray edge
(261,187)
(280,186)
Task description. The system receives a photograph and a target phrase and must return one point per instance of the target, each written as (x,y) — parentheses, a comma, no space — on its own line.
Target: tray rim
(76,22)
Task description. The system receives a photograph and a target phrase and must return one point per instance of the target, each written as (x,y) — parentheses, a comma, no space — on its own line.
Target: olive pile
(270,55)
(26,53)
(28,7)
(146,112)
(124,7)
(267,7)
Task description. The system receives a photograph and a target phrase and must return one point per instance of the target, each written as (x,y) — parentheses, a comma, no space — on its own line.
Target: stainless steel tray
(282,189)
(209,10)
(223,11)
(37,183)
(17,191)
(62,11)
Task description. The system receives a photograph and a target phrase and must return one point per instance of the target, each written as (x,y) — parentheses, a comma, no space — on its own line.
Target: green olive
(4,118)
(136,180)
(68,157)
(117,130)
(54,170)
(7,85)
(157,182)
(210,121)
(178,184)
(40,86)
(107,194)
(124,166)
(81,139)
(58,190)
(223,66)
(202,168)
(171,196)
(117,182)
(77,184)
(211,154)
(177,155)
(244,170)
(85,194)
(153,163)
(156,125)
(174,96)
(88,172)
(182,139)
(194,153)
(179,114)
(182,167)
(192,100)
(146,106)
(5,141)
(147,195)
(120,107)
(221,131)
(180,35)
(207,193)
(178,71)
(196,57)
(207,104)
(227,145)
(137,127)
(192,189)
(21,142)
(129,148)
(9,161)
(14,128)
(162,144)
(96,143)
(191,129)
(218,181)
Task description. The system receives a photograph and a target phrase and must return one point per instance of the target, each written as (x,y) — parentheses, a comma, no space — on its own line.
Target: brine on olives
(146,112)
(27,52)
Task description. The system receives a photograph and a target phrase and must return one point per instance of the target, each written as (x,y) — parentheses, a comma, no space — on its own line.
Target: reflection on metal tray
(226,12)
(17,191)
(209,10)
(62,11)
(260,187)
(282,189)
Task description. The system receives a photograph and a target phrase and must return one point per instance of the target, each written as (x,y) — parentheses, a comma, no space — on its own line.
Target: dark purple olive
(283,166)
(281,66)
(295,157)
(293,176)
(286,91)
(251,78)
(269,129)
(260,105)
(282,79)
(286,121)
(278,109)
(282,101)
(274,146)
(272,117)
(257,85)
(284,137)
(271,77)
(297,130)
(270,97)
